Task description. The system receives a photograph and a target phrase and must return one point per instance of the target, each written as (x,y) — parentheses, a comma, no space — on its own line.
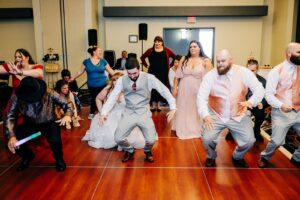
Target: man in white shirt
(137,86)
(222,103)
(283,94)
(120,65)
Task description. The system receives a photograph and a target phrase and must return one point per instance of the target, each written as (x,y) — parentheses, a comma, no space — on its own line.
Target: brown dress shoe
(240,163)
(262,163)
(127,156)
(149,157)
(210,162)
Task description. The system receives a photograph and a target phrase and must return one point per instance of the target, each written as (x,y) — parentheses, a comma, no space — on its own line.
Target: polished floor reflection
(177,173)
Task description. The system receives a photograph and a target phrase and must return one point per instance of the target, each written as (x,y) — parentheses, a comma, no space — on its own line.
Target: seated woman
(102,135)
(62,88)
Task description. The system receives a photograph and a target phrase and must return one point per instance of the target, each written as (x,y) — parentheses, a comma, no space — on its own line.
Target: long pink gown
(188,123)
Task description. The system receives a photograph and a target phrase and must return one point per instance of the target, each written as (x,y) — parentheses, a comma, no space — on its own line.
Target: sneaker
(91,116)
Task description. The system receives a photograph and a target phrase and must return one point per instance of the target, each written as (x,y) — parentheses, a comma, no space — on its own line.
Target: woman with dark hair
(95,67)
(193,68)
(159,64)
(62,88)
(172,71)
(73,87)
(22,67)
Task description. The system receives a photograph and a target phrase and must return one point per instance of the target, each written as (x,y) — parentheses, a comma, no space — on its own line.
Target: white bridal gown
(102,136)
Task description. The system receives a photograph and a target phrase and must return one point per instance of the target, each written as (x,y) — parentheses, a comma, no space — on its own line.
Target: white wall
(266,37)
(240,35)
(16,33)
(282,29)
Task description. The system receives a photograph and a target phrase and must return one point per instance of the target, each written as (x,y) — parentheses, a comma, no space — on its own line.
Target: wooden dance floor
(177,173)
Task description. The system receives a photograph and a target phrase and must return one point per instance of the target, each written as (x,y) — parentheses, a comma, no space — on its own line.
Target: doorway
(178,39)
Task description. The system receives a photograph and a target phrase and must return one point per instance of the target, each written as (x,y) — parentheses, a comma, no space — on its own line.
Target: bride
(102,135)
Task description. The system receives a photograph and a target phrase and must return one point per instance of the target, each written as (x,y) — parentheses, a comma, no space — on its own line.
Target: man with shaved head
(222,104)
(283,94)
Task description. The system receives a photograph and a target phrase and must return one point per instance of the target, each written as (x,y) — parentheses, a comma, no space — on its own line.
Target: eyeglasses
(133,86)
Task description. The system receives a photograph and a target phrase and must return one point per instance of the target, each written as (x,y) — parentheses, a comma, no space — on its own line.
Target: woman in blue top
(95,67)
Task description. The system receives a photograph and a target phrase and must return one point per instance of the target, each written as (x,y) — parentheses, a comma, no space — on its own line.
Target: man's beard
(295,60)
(223,71)
(134,79)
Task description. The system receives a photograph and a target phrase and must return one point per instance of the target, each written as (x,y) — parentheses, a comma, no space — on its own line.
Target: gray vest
(137,101)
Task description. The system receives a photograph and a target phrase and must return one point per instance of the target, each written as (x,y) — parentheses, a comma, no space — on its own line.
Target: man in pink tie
(222,103)
(137,87)
(283,94)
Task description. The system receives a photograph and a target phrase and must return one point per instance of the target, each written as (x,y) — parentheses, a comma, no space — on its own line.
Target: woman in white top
(172,71)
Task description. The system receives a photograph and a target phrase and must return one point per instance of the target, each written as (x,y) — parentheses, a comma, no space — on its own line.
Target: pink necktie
(133,86)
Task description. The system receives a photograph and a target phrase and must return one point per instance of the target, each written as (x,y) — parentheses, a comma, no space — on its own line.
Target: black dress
(159,68)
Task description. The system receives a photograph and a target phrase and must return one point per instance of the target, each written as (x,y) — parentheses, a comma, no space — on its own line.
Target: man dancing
(222,104)
(36,105)
(283,94)
(137,87)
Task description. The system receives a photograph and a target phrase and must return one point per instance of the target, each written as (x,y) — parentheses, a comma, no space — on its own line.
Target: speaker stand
(142,53)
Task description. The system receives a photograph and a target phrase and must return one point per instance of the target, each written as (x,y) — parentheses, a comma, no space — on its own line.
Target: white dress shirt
(153,83)
(123,62)
(207,84)
(272,82)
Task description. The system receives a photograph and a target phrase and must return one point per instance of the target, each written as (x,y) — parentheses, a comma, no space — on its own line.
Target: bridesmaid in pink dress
(188,78)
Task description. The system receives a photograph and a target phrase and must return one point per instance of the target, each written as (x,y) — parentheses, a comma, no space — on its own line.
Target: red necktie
(133,86)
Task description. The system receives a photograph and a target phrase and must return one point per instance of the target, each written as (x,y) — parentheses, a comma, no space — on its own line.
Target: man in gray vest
(137,86)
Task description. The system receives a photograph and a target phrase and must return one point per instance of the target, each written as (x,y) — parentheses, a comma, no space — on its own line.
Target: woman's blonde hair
(113,78)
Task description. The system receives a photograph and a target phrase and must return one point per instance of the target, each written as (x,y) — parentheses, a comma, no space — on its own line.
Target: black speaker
(143,31)
(110,57)
(131,55)
(92,36)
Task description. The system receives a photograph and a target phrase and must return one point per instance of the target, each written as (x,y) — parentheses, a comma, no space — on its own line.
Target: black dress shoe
(158,109)
(210,162)
(228,136)
(262,163)
(60,165)
(296,163)
(240,163)
(127,156)
(149,157)
(25,163)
